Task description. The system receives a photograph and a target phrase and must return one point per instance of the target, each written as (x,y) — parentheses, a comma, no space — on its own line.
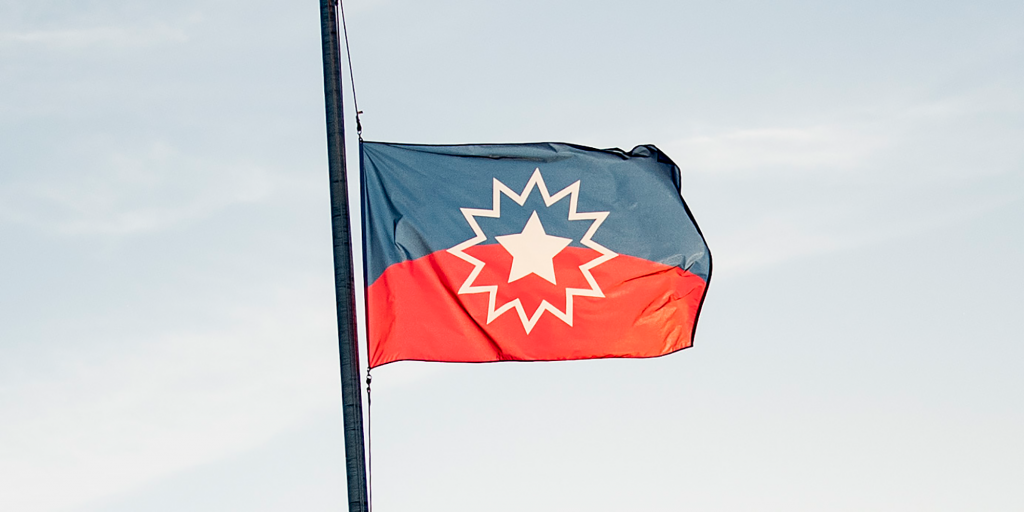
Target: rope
(369,445)
(351,77)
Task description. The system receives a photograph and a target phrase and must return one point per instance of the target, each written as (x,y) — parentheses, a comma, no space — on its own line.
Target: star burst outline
(536,181)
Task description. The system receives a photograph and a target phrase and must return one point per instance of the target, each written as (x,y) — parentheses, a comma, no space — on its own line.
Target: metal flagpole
(344,287)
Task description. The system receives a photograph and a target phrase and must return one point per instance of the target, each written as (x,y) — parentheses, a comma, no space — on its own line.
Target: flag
(534,252)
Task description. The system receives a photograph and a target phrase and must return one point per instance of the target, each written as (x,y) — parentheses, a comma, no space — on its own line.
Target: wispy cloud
(857,140)
(777,237)
(870,178)
(128,193)
(147,407)
(77,38)
(789,148)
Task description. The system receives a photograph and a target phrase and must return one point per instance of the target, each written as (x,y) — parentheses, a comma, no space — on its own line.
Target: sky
(167,330)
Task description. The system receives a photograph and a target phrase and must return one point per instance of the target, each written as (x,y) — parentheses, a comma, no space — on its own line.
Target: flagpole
(344,286)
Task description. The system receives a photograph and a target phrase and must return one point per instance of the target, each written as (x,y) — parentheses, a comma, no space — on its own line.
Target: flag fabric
(535,252)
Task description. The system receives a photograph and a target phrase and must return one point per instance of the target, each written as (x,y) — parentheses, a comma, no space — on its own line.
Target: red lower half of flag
(415,310)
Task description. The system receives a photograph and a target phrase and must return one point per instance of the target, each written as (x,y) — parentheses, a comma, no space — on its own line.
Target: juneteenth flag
(534,252)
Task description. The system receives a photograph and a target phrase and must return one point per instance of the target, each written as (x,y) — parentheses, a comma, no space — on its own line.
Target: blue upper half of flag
(414,196)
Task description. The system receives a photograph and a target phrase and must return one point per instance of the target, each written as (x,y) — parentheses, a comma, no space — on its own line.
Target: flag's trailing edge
(536,252)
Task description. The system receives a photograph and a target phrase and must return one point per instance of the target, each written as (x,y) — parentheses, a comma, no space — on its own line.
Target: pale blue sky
(167,335)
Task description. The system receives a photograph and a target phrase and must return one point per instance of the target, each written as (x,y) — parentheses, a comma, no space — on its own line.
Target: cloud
(102,418)
(789,148)
(869,178)
(79,38)
(865,140)
(771,240)
(801,231)
(129,193)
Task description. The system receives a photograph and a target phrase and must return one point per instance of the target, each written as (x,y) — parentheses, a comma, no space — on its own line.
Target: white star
(494,310)
(533,251)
